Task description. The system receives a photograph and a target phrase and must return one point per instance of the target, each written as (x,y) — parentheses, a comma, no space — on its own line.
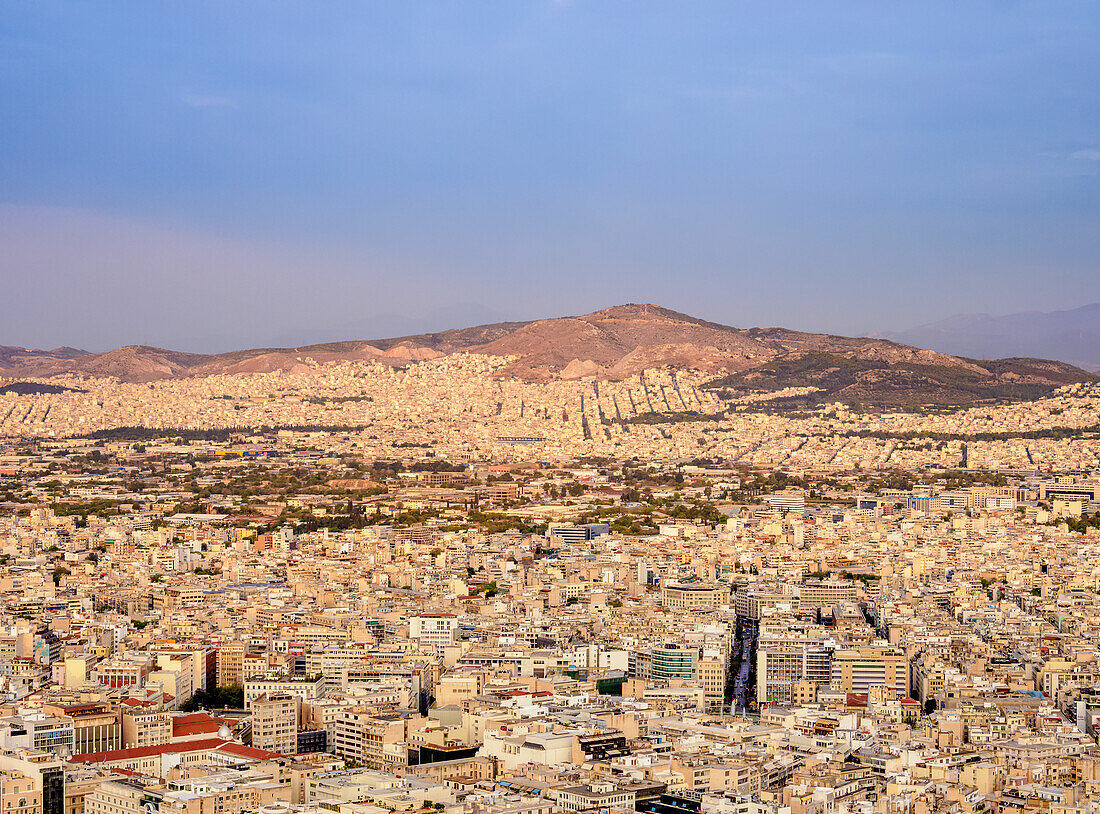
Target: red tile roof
(204,745)
(148,751)
(197,724)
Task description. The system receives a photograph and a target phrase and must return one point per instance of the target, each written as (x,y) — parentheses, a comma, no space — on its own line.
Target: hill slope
(616,343)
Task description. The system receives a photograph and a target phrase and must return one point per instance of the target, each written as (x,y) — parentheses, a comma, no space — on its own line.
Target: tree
(229,697)
(58,573)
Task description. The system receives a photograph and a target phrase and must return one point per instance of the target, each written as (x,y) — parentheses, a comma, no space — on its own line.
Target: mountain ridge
(615,343)
(1071,335)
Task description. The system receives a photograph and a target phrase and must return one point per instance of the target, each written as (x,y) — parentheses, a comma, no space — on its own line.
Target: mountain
(1072,336)
(616,343)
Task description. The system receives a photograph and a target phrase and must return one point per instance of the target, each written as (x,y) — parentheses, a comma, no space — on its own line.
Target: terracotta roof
(204,745)
(241,750)
(197,724)
(149,751)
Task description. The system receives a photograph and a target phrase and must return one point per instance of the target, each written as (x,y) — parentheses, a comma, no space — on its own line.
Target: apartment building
(595,797)
(814,594)
(304,688)
(32,782)
(231,665)
(434,631)
(275,722)
(681,596)
(858,669)
(363,737)
(783,662)
(144,728)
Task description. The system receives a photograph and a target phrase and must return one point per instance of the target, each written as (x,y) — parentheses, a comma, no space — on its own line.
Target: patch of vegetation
(37,389)
(1084,523)
(231,697)
(216,435)
(878,384)
(94,507)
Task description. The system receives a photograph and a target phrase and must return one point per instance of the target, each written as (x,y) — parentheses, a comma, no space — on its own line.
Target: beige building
(711,672)
(79,783)
(595,797)
(115,798)
(230,662)
(96,727)
(31,782)
(275,722)
(687,595)
(858,669)
(364,737)
(78,669)
(18,794)
(143,728)
(455,688)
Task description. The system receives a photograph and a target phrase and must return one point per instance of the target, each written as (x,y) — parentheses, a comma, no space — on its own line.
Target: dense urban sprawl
(364,589)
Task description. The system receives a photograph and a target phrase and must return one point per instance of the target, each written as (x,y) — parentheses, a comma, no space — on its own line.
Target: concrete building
(275,722)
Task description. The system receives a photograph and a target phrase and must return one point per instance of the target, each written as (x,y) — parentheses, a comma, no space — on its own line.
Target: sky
(214,175)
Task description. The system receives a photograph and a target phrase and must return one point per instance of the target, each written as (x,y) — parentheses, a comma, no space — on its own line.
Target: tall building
(96,727)
(118,797)
(568,533)
(671,660)
(784,661)
(370,740)
(275,722)
(141,727)
(787,501)
(711,671)
(814,594)
(231,665)
(858,669)
(434,631)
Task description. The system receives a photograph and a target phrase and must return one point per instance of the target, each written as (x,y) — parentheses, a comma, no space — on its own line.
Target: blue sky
(213,175)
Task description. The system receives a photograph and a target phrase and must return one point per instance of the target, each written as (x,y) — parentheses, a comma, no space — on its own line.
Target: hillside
(616,343)
(866,381)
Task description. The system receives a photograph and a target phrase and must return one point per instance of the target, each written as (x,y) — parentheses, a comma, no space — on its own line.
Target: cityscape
(549,407)
(366,586)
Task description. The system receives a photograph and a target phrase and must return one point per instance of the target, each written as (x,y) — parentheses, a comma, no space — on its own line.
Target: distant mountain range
(1071,336)
(616,343)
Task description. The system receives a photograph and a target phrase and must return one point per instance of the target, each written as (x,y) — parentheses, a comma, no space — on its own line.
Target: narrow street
(743,690)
